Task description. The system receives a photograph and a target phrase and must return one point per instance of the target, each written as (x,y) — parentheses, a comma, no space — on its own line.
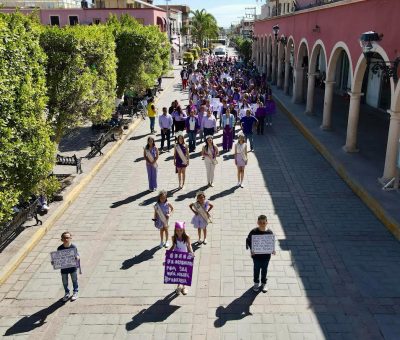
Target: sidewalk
(360,170)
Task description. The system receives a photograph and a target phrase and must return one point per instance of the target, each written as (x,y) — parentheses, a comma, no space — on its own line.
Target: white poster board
(263,244)
(254,108)
(65,258)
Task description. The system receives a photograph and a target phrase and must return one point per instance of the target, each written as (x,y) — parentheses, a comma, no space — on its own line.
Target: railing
(314,3)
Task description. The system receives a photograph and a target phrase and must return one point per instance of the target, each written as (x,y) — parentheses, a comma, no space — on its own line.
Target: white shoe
(241,185)
(211,185)
(238,184)
(166,245)
(205,241)
(264,288)
(184,291)
(74,296)
(178,290)
(256,287)
(66,297)
(161,244)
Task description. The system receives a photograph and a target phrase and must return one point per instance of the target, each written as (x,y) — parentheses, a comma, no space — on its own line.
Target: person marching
(270,108)
(152,113)
(247,127)
(181,158)
(150,154)
(192,126)
(201,209)
(181,243)
(228,124)
(210,153)
(166,123)
(162,212)
(240,157)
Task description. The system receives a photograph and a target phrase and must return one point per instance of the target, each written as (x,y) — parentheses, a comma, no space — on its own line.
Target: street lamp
(179,40)
(388,68)
(275,29)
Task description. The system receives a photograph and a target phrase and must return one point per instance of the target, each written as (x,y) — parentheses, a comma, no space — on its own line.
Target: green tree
(81,75)
(142,53)
(26,149)
(243,46)
(203,26)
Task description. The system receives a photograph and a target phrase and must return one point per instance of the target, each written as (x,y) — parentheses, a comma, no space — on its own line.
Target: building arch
(300,72)
(333,59)
(317,48)
(303,51)
(396,99)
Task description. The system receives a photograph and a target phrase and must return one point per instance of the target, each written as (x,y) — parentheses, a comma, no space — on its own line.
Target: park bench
(12,227)
(98,144)
(70,160)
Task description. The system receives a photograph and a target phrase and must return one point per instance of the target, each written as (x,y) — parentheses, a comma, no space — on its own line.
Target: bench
(70,160)
(13,226)
(98,144)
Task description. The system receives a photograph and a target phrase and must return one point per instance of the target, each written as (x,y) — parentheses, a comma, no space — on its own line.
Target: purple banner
(178,268)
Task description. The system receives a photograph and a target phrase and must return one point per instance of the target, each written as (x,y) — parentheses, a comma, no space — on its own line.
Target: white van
(220,51)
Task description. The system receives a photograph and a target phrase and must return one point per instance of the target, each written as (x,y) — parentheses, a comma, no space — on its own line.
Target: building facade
(311,46)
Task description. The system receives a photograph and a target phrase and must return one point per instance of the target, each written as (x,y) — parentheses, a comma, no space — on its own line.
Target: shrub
(188,57)
(194,53)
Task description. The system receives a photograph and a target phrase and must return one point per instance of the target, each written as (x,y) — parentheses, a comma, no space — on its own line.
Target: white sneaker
(74,296)
(205,241)
(241,185)
(166,245)
(161,244)
(238,184)
(211,185)
(264,288)
(66,297)
(256,287)
(184,291)
(178,290)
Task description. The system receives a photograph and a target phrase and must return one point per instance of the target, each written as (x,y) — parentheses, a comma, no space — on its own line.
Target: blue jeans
(74,278)
(152,123)
(249,136)
(192,140)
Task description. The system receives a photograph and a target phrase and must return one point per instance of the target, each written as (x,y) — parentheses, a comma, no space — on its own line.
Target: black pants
(260,264)
(260,126)
(165,134)
(208,132)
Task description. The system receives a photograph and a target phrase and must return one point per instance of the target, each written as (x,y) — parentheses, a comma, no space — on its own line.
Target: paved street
(335,275)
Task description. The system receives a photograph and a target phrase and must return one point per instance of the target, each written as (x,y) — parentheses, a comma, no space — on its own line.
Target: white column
(279,76)
(273,69)
(298,85)
(268,65)
(286,84)
(352,122)
(392,146)
(328,98)
(310,93)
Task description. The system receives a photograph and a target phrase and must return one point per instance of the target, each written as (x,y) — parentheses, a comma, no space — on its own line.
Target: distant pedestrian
(181,243)
(260,115)
(201,209)
(270,109)
(228,126)
(66,239)
(192,126)
(152,113)
(150,154)
(181,159)
(240,157)
(209,124)
(260,261)
(184,77)
(166,123)
(162,212)
(210,153)
(247,123)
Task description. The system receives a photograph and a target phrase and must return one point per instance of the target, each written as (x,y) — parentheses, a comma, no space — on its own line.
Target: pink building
(74,16)
(322,45)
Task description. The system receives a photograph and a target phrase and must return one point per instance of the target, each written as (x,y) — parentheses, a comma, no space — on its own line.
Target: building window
(54,20)
(96,21)
(73,20)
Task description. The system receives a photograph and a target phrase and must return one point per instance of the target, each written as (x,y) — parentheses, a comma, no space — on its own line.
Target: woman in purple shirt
(181,158)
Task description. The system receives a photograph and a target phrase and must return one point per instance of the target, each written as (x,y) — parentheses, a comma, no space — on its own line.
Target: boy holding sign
(261,242)
(65,271)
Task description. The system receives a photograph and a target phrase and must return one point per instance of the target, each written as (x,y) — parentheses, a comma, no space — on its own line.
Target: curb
(374,205)
(15,261)
(22,253)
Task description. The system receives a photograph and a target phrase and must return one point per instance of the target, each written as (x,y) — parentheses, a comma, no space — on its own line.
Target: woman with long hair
(210,153)
(150,154)
(181,158)
(240,157)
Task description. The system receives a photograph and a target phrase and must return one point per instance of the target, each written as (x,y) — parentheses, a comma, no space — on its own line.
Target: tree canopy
(203,26)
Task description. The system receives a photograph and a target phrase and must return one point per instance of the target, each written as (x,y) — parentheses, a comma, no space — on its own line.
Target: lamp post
(179,40)
(388,68)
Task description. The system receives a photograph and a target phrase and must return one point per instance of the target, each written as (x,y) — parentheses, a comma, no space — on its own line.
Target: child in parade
(66,239)
(181,159)
(240,157)
(201,209)
(150,154)
(260,261)
(181,243)
(162,211)
(210,153)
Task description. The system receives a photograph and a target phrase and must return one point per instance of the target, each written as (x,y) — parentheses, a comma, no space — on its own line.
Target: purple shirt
(209,122)
(179,117)
(165,121)
(270,107)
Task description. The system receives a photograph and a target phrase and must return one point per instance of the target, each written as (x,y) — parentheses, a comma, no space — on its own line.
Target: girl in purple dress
(150,154)
(181,158)
(162,212)
(201,209)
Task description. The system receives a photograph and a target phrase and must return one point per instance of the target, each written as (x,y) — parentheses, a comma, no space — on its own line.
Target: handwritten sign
(263,244)
(215,102)
(178,268)
(65,258)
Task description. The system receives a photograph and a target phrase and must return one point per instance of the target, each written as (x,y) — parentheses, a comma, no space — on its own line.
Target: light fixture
(275,29)
(388,68)
(316,29)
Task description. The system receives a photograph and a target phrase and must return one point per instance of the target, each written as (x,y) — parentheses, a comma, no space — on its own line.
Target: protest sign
(263,244)
(178,268)
(65,258)
(215,102)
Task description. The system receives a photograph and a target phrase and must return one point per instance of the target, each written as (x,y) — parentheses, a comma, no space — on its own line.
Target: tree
(142,53)
(203,26)
(26,149)
(243,46)
(81,75)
